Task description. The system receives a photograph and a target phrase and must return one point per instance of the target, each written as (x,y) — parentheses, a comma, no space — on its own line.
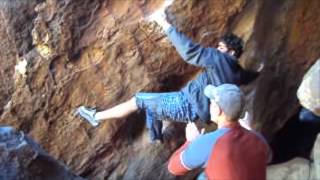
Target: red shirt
(228,153)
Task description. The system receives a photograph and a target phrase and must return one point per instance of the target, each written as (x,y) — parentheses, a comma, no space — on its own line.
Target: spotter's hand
(192,131)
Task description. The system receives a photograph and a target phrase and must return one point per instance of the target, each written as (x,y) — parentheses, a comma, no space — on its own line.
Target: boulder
(315,159)
(22,158)
(295,169)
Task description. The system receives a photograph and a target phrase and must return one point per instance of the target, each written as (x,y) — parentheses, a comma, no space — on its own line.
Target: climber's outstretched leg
(158,106)
(119,111)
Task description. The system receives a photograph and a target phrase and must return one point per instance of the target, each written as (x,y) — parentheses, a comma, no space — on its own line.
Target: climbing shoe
(88,114)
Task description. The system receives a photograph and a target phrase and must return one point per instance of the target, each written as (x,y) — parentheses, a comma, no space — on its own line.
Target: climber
(231,151)
(220,66)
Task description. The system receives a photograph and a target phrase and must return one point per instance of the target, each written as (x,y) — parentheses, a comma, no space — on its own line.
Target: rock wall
(286,40)
(100,52)
(15,31)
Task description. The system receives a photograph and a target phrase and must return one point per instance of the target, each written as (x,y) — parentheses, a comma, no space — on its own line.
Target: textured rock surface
(99,53)
(286,40)
(315,166)
(295,169)
(22,158)
(15,41)
(298,168)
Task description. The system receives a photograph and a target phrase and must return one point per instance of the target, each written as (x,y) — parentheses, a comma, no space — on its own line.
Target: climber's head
(232,44)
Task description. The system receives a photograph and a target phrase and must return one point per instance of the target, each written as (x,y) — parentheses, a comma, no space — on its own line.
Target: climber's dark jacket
(218,68)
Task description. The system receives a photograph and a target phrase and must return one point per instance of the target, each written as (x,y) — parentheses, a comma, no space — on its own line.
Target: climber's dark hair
(233,42)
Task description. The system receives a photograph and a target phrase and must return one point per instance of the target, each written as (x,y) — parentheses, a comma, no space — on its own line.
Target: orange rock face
(99,53)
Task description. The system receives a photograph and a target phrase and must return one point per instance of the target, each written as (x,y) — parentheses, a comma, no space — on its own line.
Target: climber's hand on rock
(192,131)
(160,16)
(167,3)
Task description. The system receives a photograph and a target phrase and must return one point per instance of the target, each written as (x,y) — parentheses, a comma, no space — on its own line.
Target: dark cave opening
(295,139)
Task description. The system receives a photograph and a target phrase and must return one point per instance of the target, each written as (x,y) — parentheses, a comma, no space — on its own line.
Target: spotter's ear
(219,111)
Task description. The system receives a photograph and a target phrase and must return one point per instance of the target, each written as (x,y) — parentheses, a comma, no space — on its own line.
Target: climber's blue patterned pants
(306,115)
(164,106)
